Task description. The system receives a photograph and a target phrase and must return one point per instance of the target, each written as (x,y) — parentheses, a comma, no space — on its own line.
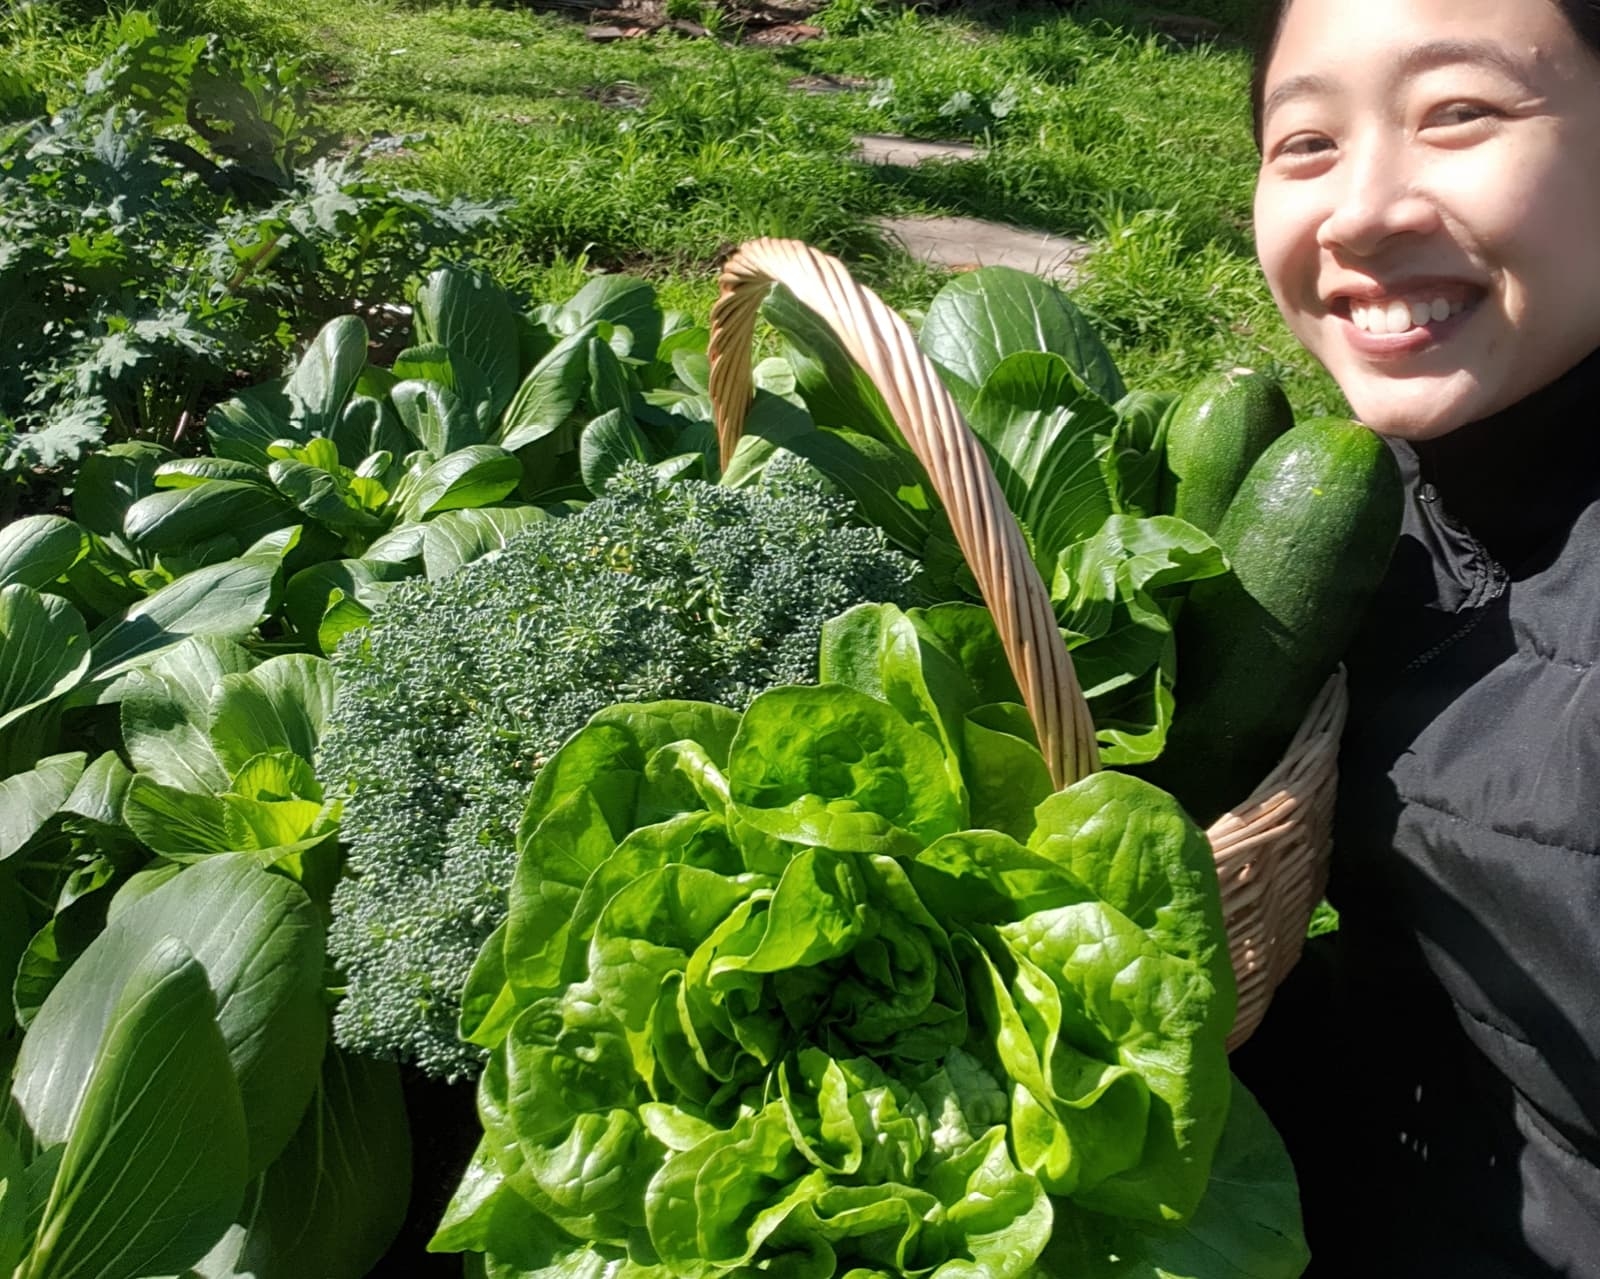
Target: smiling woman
(1428,212)
(1428,219)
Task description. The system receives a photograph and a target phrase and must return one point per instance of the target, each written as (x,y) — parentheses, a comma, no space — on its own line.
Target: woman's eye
(1455,114)
(1300,146)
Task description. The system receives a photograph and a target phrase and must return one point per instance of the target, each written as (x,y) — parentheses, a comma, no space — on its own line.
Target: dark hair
(1584,15)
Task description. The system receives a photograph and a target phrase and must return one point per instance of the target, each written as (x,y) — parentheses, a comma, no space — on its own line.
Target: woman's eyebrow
(1444,53)
(1299,86)
(1417,59)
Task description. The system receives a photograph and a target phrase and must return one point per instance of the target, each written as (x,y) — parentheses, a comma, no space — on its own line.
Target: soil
(444,1133)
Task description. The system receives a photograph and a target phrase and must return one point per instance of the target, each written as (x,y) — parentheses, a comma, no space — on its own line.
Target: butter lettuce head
(839,988)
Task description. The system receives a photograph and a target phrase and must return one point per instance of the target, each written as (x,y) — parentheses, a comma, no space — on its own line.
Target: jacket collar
(1517,479)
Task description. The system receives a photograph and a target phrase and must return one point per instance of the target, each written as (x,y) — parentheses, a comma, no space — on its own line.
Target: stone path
(908,153)
(964,244)
(823,83)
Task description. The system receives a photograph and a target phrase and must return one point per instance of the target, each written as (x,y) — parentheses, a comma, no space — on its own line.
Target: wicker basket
(1272,850)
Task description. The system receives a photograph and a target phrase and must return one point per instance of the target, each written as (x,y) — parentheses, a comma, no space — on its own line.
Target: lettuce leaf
(816,992)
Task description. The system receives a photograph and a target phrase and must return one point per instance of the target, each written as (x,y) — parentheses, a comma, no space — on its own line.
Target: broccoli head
(459,690)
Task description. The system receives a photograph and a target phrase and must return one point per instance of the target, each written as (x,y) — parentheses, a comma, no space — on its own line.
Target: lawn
(655,155)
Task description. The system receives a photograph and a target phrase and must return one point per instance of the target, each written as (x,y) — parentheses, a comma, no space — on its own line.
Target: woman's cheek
(1286,247)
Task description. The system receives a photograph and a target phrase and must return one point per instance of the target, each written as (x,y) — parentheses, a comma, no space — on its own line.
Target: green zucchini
(1309,536)
(1215,433)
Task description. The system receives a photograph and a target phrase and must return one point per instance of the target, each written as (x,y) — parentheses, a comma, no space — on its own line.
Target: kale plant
(460,690)
(171,226)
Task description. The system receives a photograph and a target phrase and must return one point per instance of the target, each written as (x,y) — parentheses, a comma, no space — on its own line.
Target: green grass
(657,155)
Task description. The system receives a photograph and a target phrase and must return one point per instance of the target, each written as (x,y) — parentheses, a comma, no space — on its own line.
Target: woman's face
(1428,208)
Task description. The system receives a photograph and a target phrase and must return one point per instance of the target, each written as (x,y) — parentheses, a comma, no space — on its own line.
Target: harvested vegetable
(838,987)
(1309,536)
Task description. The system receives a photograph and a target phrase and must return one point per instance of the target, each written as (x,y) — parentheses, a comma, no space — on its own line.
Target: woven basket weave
(1272,850)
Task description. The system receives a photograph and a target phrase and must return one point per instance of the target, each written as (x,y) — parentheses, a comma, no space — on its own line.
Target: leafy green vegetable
(171,221)
(27,800)
(225,600)
(1048,437)
(37,550)
(1036,386)
(767,999)
(984,316)
(332,1201)
(44,650)
(1247,1226)
(259,942)
(153,1161)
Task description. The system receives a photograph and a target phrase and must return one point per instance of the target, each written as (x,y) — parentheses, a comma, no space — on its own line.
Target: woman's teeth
(1401,316)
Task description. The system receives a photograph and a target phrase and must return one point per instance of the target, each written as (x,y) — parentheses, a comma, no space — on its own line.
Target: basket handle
(879,341)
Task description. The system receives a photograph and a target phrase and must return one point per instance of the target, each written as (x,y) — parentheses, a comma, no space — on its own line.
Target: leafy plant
(170,225)
(1077,460)
(170,1065)
(459,690)
(839,985)
(205,867)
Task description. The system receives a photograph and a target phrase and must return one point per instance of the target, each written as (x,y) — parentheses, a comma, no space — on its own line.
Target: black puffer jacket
(1436,1066)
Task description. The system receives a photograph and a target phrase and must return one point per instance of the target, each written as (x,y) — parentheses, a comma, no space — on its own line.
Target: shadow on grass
(1182,22)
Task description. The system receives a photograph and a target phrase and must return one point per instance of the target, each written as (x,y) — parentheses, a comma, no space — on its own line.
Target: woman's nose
(1378,201)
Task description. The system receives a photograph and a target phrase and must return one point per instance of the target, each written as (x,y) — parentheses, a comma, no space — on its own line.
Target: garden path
(959,243)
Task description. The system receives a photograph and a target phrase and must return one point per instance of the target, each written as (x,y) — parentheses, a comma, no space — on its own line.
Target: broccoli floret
(459,690)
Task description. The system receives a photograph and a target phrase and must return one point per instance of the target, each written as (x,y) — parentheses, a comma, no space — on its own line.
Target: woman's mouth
(1406,322)
(1400,315)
